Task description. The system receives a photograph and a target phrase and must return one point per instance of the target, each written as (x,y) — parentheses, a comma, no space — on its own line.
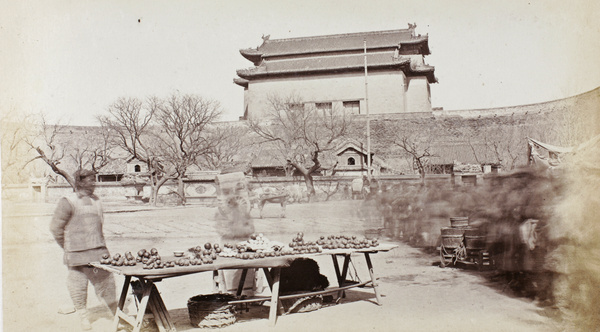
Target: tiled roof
(336,63)
(335,43)
(268,158)
(465,153)
(115,166)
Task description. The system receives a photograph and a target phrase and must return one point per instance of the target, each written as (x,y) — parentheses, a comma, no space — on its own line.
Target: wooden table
(151,298)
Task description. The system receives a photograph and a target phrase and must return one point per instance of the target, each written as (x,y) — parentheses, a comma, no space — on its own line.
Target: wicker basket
(459,222)
(212,310)
(452,237)
(302,304)
(474,238)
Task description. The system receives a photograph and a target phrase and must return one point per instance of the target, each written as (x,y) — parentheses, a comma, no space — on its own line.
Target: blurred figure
(77,228)
(357,188)
(366,187)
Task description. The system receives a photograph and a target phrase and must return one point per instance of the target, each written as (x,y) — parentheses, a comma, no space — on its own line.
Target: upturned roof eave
(428,72)
(260,74)
(255,55)
(241,82)
(251,54)
(286,46)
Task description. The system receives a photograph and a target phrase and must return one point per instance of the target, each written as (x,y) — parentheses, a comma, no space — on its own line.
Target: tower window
(351,161)
(352,107)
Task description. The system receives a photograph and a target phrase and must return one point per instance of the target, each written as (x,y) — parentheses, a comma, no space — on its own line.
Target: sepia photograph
(300,166)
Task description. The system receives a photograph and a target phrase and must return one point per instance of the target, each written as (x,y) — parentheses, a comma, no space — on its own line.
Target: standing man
(77,228)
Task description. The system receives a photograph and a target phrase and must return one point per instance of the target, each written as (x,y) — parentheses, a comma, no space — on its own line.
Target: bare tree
(168,135)
(412,139)
(184,137)
(17,130)
(301,133)
(229,143)
(53,145)
(129,122)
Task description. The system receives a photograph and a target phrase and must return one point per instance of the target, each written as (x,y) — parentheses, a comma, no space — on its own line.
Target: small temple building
(329,72)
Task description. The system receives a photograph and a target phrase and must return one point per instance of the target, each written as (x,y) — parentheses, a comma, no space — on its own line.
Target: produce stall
(150,268)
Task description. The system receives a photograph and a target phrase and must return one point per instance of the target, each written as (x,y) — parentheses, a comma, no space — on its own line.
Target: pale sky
(71,59)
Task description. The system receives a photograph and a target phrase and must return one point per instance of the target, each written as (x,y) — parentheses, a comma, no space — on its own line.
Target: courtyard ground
(417,294)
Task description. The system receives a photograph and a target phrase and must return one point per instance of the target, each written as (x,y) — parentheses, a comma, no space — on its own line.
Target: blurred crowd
(541,231)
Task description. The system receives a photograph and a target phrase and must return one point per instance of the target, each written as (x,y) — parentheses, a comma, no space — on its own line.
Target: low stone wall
(205,191)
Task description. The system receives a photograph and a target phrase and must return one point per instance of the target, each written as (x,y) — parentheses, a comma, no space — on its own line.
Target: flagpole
(367,110)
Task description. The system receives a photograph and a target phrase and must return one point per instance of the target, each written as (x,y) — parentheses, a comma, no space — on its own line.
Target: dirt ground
(417,294)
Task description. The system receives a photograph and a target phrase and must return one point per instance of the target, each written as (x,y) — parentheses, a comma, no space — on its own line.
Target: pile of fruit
(117,259)
(299,246)
(206,254)
(152,260)
(256,246)
(346,242)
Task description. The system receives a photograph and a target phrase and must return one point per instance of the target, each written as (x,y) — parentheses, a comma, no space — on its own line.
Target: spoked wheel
(443,260)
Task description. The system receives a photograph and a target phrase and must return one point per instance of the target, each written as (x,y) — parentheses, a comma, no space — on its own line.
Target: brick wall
(386,92)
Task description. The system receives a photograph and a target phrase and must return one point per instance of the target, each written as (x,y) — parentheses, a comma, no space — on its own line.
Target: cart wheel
(443,261)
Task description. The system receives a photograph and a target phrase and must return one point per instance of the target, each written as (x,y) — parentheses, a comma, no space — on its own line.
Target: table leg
(336,265)
(270,282)
(274,296)
(121,303)
(241,283)
(341,276)
(146,291)
(373,279)
(161,314)
(268,277)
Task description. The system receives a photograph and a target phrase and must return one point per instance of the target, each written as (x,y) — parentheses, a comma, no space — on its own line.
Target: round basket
(303,304)
(459,222)
(452,237)
(212,310)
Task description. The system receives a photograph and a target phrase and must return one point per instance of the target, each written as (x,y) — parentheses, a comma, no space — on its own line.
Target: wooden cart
(464,245)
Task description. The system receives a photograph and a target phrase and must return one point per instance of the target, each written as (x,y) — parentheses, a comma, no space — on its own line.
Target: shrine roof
(334,43)
(337,63)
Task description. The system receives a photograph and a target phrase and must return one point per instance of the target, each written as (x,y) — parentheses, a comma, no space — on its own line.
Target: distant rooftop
(335,63)
(335,43)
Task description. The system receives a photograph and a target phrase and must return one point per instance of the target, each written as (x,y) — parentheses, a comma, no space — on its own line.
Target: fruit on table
(346,242)
(255,244)
(151,259)
(205,254)
(117,259)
